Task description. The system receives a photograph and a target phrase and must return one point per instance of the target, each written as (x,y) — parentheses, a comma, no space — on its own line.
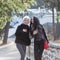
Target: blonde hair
(26,17)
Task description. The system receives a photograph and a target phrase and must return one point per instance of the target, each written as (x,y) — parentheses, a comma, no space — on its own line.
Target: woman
(37,31)
(22,37)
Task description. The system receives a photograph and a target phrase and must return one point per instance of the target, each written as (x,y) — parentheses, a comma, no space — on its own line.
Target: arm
(45,35)
(18,31)
(30,33)
(35,32)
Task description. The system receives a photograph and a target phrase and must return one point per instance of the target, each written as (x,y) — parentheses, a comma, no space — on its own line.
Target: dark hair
(36,22)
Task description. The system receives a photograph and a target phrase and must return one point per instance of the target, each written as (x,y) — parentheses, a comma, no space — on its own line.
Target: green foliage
(7,7)
(1,32)
(40,3)
(58,17)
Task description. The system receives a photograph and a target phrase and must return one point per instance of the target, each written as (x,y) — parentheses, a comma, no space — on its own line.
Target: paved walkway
(11,53)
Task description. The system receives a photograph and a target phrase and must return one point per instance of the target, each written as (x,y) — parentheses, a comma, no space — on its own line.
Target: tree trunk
(58,24)
(58,27)
(6,32)
(53,23)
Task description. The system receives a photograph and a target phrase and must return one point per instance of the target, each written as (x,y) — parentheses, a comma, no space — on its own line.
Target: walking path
(10,52)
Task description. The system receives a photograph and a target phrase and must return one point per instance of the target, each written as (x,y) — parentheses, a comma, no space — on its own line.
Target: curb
(54,45)
(4,46)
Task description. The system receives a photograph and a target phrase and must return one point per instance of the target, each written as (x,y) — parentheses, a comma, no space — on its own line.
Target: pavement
(10,52)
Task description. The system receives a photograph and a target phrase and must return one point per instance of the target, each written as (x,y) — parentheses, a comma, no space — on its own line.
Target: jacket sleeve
(18,31)
(30,33)
(45,35)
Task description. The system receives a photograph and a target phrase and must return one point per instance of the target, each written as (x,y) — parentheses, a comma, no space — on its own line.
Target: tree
(51,4)
(58,24)
(40,3)
(54,4)
(7,7)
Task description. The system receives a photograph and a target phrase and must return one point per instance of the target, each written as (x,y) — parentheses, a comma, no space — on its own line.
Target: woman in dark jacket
(22,37)
(37,31)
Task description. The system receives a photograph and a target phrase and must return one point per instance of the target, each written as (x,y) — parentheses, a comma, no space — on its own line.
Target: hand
(35,32)
(24,30)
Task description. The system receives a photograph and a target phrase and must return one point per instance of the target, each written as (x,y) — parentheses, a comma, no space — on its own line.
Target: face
(32,20)
(26,21)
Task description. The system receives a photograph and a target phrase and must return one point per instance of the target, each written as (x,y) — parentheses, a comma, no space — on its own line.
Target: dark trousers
(22,50)
(38,49)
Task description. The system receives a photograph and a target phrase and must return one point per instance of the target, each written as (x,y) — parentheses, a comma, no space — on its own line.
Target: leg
(28,58)
(38,50)
(36,53)
(22,50)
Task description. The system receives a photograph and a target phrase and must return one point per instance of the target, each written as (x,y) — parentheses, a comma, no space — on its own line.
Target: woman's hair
(26,17)
(36,22)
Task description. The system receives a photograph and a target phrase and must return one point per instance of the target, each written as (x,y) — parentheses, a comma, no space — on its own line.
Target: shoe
(28,58)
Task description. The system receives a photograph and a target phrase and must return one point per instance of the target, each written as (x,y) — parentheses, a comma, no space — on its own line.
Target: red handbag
(46,46)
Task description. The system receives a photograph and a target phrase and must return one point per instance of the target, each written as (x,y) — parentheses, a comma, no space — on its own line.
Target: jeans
(22,50)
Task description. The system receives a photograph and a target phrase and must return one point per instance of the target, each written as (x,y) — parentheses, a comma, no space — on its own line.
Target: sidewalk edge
(6,45)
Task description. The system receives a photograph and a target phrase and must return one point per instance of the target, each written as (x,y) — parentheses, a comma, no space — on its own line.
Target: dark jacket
(22,37)
(41,35)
